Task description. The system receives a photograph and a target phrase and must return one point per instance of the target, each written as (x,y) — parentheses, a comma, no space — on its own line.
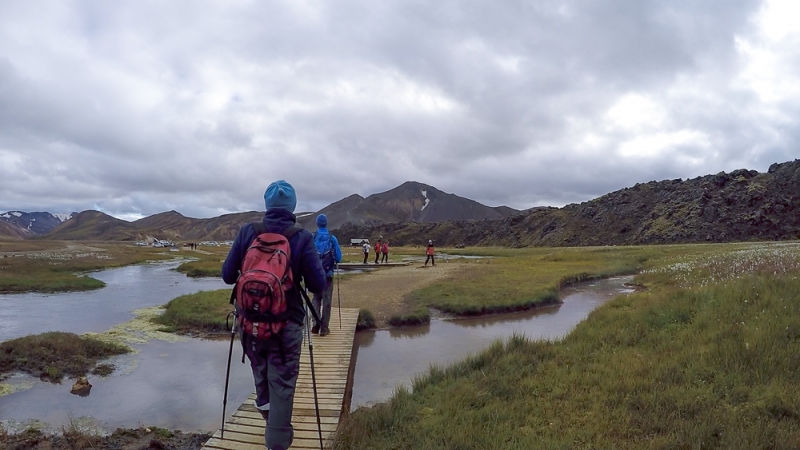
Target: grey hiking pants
(325,299)
(276,363)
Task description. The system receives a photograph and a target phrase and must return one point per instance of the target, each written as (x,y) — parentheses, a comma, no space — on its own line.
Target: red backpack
(266,276)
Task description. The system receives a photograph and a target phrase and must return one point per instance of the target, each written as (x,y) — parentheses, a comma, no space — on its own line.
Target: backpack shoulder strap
(260,228)
(289,232)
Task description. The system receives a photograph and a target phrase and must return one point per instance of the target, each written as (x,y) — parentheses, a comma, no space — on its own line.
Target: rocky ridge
(743,205)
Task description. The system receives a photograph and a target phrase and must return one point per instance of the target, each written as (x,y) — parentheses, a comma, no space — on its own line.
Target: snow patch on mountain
(427,200)
(63,217)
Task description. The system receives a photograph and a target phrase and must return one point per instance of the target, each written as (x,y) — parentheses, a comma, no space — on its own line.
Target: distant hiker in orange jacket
(429,252)
(385,252)
(377,251)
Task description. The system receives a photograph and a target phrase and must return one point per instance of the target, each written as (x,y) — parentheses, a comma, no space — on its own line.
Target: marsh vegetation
(708,357)
(55,266)
(54,355)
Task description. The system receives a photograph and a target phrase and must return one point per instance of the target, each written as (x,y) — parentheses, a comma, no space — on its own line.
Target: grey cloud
(143,107)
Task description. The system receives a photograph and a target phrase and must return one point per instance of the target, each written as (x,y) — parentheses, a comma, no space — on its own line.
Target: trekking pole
(310,307)
(339,293)
(228,371)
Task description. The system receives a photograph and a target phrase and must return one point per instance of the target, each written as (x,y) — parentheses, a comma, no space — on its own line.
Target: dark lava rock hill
(743,205)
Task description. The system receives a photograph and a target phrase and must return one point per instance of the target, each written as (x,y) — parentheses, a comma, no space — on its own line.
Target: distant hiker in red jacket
(385,252)
(377,251)
(429,252)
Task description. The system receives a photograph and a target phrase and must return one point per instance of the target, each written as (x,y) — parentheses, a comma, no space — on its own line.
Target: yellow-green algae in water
(139,330)
(8,388)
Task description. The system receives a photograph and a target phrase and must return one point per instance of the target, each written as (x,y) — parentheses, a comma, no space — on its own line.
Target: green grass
(210,268)
(204,311)
(365,319)
(518,279)
(420,316)
(53,355)
(708,358)
(206,262)
(53,267)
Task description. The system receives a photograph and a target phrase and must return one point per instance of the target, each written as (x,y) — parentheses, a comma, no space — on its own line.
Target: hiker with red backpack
(330,254)
(267,262)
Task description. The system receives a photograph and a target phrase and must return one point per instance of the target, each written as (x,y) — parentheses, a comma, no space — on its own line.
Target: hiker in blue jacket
(330,254)
(276,362)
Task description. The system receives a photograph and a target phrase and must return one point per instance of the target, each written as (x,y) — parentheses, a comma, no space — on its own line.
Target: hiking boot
(325,331)
(315,329)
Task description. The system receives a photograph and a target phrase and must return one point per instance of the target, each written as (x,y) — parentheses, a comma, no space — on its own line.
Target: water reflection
(408,332)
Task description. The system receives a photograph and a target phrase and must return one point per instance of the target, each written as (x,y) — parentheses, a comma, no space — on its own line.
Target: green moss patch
(51,356)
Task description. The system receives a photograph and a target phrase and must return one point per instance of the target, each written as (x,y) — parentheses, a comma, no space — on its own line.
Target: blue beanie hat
(322,221)
(280,194)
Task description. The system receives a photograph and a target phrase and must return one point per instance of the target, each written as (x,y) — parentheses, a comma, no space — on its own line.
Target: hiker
(276,361)
(377,251)
(429,253)
(365,249)
(330,254)
(385,251)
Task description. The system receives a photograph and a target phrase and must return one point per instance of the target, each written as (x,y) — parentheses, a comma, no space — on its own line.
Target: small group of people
(381,251)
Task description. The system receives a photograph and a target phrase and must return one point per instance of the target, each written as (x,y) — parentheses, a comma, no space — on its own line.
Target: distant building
(358,242)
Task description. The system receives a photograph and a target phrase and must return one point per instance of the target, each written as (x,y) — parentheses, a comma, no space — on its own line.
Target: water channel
(179,385)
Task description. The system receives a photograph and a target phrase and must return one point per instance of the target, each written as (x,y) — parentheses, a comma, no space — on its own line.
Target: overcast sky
(139,107)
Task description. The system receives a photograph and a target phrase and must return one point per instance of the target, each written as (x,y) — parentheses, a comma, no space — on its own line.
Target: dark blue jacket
(305,261)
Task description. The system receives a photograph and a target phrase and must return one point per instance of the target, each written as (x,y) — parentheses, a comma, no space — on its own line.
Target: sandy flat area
(383,291)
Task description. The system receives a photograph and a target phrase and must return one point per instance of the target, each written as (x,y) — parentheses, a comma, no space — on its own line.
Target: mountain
(12,231)
(409,202)
(173,225)
(743,205)
(34,222)
(94,225)
(738,206)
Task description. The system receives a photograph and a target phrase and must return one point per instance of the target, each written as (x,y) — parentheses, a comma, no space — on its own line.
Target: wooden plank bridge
(333,366)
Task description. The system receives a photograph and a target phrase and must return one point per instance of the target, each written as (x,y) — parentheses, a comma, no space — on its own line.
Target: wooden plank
(333,370)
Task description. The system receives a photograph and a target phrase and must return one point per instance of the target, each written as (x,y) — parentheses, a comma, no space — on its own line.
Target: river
(179,385)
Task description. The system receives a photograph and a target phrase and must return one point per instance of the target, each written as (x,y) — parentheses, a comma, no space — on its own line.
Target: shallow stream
(179,385)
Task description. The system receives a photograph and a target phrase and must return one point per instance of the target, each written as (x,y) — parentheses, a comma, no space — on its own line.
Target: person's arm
(337,250)
(233,263)
(310,266)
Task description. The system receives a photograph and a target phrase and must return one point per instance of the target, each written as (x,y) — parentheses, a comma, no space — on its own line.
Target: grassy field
(55,266)
(207,262)
(202,312)
(709,357)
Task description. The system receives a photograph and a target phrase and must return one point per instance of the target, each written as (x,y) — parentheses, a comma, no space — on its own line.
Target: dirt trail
(382,291)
